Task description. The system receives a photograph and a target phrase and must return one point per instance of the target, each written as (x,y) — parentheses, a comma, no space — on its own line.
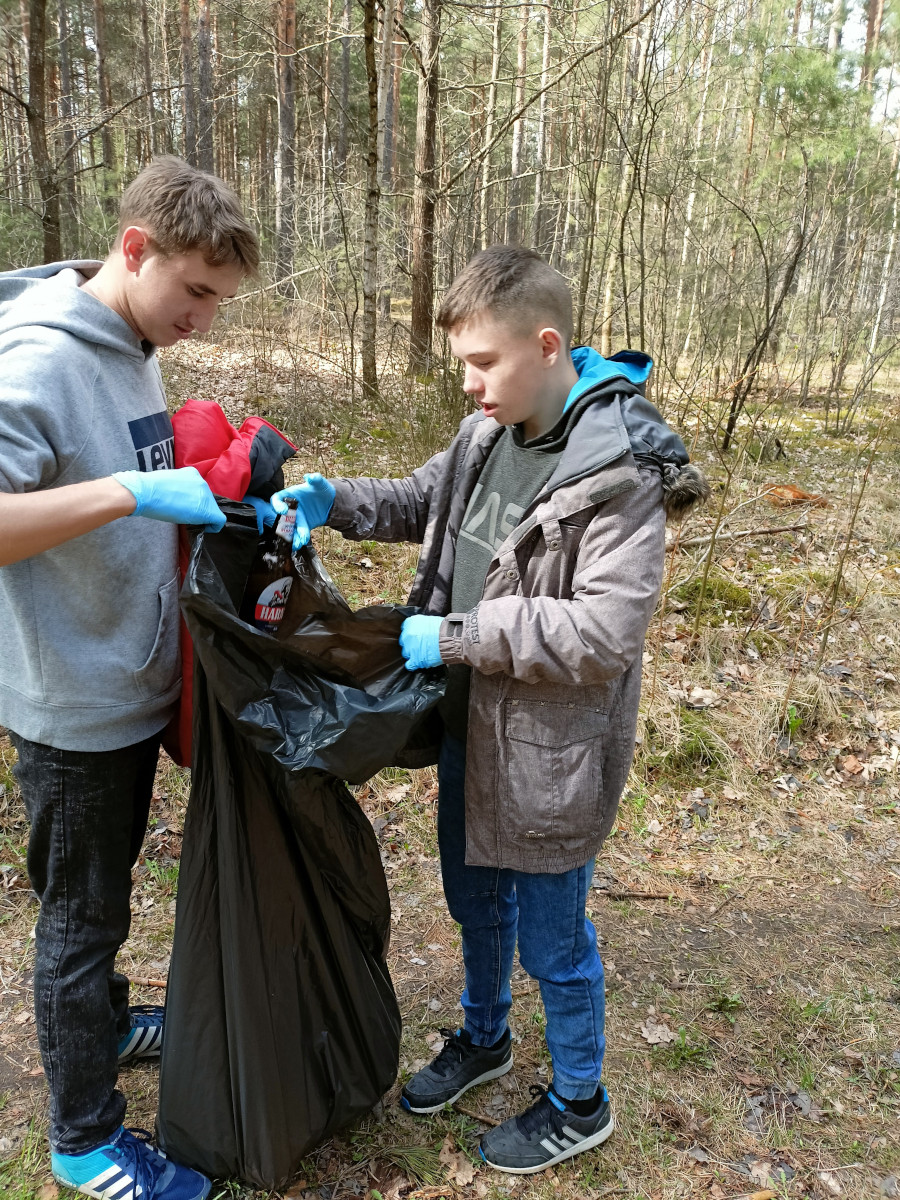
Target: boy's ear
(551,345)
(135,244)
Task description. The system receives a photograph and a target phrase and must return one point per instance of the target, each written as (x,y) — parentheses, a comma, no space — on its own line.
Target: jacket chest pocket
(554,776)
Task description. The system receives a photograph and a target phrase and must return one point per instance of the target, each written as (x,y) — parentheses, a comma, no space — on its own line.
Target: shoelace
(140,1159)
(146,1014)
(539,1113)
(452,1052)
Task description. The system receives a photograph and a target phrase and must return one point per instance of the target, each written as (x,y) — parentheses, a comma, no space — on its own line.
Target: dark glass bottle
(269,581)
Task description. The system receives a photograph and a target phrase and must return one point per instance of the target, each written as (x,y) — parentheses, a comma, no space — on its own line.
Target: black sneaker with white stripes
(545,1134)
(144,1037)
(459,1066)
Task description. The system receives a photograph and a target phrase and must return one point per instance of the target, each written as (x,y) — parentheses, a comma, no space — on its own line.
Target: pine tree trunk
(189,99)
(373,197)
(285,163)
(205,107)
(484,200)
(422,267)
(37,130)
(513,220)
(148,78)
(538,216)
(105,94)
(67,120)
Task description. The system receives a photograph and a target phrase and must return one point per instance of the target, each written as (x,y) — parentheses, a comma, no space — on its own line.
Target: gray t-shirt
(513,475)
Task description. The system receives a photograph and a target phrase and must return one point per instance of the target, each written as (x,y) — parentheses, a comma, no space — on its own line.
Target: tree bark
(484,199)
(422,266)
(538,217)
(373,198)
(36,113)
(513,221)
(148,78)
(105,94)
(205,105)
(285,163)
(189,99)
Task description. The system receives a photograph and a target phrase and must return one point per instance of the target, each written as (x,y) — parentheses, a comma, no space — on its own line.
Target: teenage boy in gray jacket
(542,532)
(89,654)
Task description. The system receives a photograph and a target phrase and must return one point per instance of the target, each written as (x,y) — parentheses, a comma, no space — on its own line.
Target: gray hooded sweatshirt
(89,656)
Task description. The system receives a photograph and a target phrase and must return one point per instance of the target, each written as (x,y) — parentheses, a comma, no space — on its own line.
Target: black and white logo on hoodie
(154,442)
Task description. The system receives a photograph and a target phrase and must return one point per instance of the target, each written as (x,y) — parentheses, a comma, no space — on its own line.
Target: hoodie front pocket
(159,674)
(554,774)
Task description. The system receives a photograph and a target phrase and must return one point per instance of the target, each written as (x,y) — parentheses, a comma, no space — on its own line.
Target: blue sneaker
(144,1038)
(128,1168)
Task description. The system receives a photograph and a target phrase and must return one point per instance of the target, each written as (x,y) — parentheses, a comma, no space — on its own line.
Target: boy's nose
(471,382)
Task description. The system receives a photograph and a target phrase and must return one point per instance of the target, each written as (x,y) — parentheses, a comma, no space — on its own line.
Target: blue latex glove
(419,642)
(181,496)
(315,497)
(265,513)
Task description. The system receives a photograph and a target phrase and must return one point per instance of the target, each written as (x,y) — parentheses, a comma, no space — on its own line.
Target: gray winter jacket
(555,642)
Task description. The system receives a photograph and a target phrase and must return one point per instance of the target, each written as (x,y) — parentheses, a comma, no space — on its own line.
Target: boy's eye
(194,292)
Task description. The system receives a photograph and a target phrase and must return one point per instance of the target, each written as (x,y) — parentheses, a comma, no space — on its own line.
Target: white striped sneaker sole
(488,1075)
(145,1041)
(566,1146)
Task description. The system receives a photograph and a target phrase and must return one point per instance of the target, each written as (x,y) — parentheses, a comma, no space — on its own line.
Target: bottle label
(270,606)
(286,523)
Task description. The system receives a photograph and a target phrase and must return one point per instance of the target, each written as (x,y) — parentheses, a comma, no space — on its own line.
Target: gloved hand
(419,642)
(314,497)
(181,496)
(265,513)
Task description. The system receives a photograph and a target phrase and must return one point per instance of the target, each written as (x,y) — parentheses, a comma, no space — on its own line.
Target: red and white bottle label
(286,525)
(270,604)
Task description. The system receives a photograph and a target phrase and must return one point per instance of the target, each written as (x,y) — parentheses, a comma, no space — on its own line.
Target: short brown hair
(511,284)
(187,209)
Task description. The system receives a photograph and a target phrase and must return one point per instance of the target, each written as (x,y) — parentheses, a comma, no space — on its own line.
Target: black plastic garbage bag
(281,1019)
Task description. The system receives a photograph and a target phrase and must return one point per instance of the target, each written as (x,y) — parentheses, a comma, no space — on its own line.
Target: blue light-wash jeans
(557,943)
(88,815)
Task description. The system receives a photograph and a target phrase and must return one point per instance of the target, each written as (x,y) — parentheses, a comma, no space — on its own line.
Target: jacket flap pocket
(544,724)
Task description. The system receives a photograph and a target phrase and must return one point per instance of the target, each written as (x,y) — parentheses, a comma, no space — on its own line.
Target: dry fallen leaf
(48,1191)
(830,1183)
(760,1170)
(657,1033)
(459,1169)
(851,765)
(702,698)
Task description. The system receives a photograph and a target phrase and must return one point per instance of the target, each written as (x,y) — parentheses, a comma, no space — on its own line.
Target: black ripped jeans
(88,813)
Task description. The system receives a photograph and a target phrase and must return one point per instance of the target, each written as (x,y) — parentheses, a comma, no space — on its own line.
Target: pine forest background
(719,182)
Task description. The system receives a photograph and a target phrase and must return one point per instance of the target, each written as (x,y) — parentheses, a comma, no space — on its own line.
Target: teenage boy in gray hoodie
(542,555)
(89,653)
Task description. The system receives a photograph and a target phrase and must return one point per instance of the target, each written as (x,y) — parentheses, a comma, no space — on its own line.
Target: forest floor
(748,901)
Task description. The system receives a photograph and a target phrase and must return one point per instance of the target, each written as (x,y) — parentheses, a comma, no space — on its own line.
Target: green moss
(722,596)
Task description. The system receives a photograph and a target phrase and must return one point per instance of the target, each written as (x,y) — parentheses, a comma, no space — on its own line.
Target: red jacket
(235,463)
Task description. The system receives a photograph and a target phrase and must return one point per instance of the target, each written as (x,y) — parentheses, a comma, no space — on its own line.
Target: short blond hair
(186,209)
(511,284)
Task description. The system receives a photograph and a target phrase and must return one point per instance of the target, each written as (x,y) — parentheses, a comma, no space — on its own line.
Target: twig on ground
(637,895)
(477,1116)
(687,543)
(142,981)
